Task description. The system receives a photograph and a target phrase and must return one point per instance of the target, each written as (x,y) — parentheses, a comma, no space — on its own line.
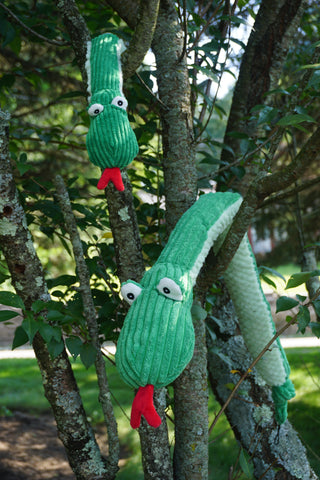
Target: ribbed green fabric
(104,63)
(110,141)
(280,395)
(253,310)
(157,339)
(192,237)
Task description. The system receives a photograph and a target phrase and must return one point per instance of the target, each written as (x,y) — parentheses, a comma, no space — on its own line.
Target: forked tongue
(143,405)
(113,175)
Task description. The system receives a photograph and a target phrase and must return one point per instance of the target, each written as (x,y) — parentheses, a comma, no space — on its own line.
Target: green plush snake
(111,142)
(157,339)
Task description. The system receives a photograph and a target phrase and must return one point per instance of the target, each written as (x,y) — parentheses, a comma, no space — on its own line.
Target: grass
(21,389)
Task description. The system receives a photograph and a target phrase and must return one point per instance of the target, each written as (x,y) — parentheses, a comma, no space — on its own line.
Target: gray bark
(190,389)
(276,452)
(140,43)
(125,230)
(28,279)
(191,410)
(177,128)
(91,320)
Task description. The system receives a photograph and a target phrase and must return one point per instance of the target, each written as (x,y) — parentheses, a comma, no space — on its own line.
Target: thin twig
(151,92)
(205,27)
(28,29)
(253,364)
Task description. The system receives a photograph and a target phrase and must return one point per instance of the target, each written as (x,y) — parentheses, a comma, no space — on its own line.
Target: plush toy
(157,339)
(111,142)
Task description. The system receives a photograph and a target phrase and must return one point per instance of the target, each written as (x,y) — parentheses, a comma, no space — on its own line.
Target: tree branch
(273,32)
(283,196)
(91,319)
(78,32)
(30,30)
(127,10)
(28,279)
(140,43)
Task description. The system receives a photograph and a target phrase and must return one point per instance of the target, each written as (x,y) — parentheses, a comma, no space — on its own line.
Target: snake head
(157,339)
(111,141)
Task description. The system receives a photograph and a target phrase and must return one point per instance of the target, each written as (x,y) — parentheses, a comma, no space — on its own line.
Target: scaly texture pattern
(111,142)
(157,339)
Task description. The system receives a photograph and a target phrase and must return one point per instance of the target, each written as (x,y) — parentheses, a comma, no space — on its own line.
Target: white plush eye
(130,291)
(169,288)
(95,109)
(120,102)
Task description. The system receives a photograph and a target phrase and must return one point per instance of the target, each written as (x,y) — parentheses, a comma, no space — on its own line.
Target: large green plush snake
(157,339)
(111,142)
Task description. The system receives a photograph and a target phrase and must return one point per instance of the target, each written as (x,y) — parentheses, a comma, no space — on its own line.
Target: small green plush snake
(111,142)
(157,339)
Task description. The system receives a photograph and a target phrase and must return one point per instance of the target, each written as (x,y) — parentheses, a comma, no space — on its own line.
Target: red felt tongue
(143,405)
(113,175)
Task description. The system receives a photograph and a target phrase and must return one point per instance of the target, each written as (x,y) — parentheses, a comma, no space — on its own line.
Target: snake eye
(95,109)
(130,291)
(170,289)
(120,102)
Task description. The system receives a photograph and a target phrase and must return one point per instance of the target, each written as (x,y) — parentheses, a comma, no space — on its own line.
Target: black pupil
(130,296)
(96,111)
(166,290)
(120,103)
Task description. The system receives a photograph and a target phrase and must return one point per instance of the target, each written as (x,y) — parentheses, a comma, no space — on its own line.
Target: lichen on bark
(276,451)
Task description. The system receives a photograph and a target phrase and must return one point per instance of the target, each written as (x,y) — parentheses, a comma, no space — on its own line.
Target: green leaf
(316,306)
(301,277)
(7,315)
(303,318)
(315,328)
(294,119)
(74,345)
(23,168)
(55,347)
(11,299)
(3,277)
(55,316)
(268,281)
(30,326)
(38,306)
(301,298)
(245,464)
(88,354)
(48,332)
(285,303)
(272,272)
(20,338)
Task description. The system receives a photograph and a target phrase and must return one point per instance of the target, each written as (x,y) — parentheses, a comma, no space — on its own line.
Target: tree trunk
(59,383)
(190,389)
(275,451)
(180,179)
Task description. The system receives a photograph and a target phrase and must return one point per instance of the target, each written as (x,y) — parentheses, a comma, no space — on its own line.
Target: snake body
(111,142)
(157,339)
